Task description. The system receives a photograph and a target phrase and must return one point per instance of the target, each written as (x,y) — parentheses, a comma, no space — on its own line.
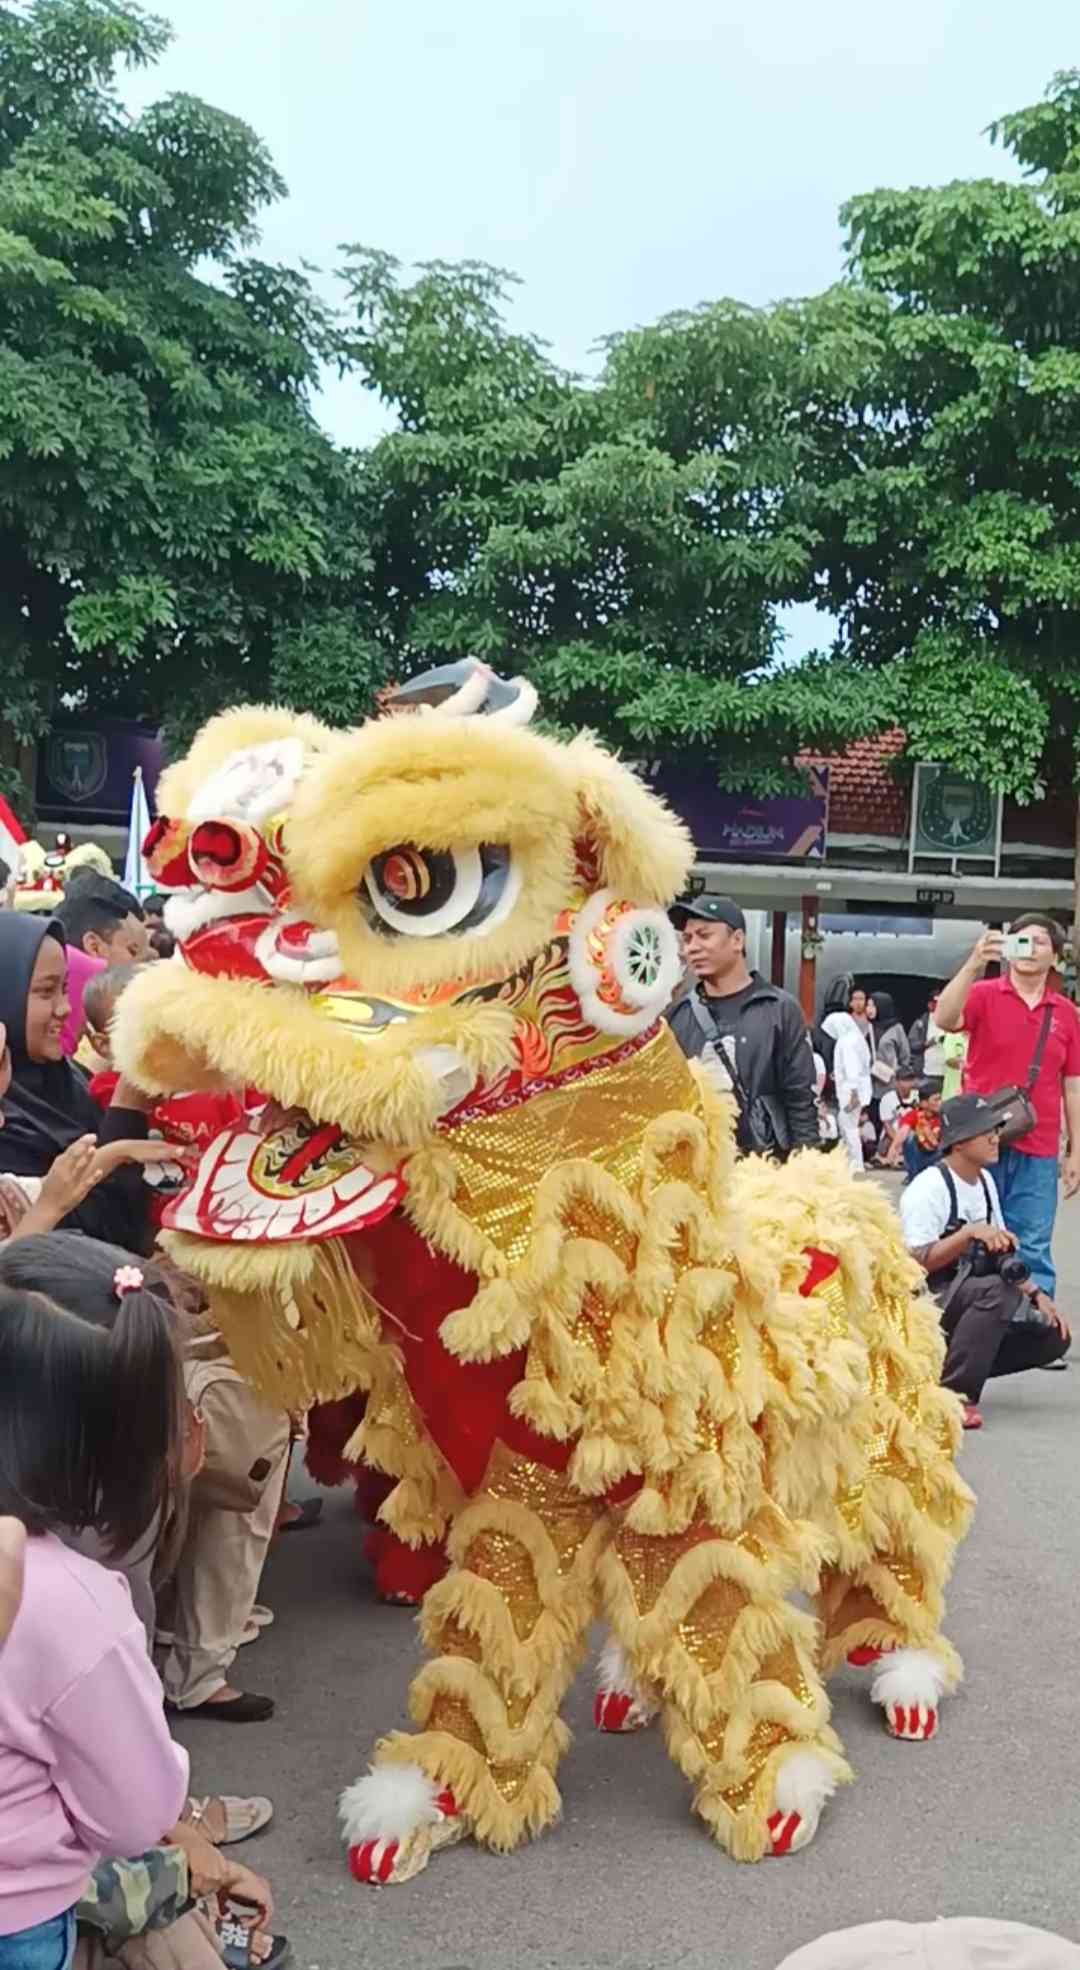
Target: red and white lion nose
(227,855)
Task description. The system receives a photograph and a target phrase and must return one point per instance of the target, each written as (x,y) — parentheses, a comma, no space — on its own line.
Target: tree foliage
(945,487)
(176,531)
(174,526)
(627,543)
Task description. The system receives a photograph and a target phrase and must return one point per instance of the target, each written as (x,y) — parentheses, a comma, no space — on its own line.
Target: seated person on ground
(920,1130)
(996,1320)
(895,1103)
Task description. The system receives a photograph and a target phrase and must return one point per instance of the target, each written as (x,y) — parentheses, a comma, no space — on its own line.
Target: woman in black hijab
(48,1105)
(892,1053)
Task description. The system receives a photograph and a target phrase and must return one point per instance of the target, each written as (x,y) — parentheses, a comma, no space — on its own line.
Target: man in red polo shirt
(1003,1018)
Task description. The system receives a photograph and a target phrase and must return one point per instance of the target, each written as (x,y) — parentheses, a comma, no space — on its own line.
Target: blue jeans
(47,1946)
(1028,1188)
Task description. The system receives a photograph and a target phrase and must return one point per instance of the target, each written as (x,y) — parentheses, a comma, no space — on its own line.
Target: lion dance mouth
(478,1199)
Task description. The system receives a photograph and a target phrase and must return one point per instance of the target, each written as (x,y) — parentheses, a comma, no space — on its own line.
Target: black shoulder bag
(762,1128)
(1013,1107)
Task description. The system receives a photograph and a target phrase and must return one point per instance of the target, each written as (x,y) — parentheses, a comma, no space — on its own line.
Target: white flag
(12,839)
(137,876)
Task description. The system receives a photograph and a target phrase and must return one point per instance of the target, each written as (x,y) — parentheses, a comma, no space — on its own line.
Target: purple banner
(85,771)
(738,828)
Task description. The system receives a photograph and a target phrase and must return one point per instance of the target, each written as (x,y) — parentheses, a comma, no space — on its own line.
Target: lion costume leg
(703,1619)
(897,1531)
(507,1629)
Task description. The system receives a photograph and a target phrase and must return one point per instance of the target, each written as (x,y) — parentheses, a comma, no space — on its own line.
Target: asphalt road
(985,1820)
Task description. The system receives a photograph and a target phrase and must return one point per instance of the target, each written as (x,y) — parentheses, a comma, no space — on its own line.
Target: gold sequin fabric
(501,1159)
(567,1518)
(497,1557)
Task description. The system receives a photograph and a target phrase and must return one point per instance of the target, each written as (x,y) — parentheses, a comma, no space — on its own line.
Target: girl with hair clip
(233,1500)
(139,1909)
(87,1766)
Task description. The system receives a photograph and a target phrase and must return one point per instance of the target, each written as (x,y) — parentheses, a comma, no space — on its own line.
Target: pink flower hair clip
(127,1279)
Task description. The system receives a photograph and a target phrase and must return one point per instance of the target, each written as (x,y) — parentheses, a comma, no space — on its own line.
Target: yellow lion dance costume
(617,1372)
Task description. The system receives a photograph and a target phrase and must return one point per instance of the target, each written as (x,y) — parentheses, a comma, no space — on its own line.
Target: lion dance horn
(467,689)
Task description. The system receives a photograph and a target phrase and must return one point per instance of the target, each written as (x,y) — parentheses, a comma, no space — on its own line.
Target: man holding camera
(1022,1033)
(952,1221)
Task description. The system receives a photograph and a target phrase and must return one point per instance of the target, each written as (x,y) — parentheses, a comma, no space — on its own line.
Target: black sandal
(240,1958)
(246,1708)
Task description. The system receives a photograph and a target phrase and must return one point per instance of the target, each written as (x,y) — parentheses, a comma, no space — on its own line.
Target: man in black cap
(751,1036)
(953,1225)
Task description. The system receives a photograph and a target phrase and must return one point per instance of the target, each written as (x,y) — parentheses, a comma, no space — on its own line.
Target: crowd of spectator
(978,1105)
(131,1558)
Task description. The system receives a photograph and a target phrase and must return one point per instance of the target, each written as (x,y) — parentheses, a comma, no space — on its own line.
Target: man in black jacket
(752,1036)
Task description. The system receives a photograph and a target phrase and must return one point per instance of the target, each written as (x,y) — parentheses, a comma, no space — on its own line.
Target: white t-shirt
(889,1107)
(925,1206)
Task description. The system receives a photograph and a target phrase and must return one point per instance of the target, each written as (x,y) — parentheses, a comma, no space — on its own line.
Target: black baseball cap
(965,1116)
(708,909)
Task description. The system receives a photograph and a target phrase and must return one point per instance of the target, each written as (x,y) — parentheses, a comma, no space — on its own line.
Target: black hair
(838,994)
(101,992)
(163,941)
(91,1392)
(1035,920)
(94,902)
(932,1085)
(5,873)
(886,1009)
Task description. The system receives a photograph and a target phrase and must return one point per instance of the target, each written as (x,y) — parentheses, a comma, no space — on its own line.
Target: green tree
(942,483)
(627,543)
(175,529)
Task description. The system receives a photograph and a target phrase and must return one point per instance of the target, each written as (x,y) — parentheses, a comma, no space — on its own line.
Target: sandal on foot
(307,1515)
(239,1819)
(245,1708)
(238,1955)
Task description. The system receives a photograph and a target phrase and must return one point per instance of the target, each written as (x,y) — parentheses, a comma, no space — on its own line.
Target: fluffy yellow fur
(179,1029)
(645,851)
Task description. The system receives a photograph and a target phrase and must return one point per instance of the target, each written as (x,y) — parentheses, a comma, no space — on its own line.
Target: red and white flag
(12,838)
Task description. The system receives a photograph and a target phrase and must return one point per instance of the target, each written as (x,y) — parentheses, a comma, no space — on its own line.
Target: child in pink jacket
(90,1422)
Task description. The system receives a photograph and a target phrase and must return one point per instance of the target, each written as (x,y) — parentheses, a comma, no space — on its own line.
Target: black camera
(1009,1266)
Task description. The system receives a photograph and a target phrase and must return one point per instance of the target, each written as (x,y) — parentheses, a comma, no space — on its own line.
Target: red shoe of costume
(394,1820)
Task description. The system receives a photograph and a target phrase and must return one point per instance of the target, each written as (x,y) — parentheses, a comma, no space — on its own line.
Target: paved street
(984,1821)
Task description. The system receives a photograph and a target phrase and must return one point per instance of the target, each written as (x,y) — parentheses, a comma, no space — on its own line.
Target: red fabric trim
(821,1266)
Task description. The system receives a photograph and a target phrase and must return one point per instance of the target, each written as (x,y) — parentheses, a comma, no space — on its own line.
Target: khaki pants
(188,1944)
(217,1579)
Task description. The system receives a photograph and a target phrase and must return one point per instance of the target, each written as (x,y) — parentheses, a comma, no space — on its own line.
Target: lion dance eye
(425,892)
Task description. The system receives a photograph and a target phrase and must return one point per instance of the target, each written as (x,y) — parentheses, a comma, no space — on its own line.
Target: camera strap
(955,1220)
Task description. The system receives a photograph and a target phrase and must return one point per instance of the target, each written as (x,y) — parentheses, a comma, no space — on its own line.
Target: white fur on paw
(392,1802)
(803,1784)
(615,1678)
(910,1678)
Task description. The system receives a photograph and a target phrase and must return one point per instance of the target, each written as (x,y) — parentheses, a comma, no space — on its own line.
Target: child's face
(932,1104)
(100,1041)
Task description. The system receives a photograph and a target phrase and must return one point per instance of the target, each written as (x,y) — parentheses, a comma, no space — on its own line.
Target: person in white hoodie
(851,1079)
(960,1943)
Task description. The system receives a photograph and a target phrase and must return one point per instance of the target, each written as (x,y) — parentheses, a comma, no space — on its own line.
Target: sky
(622,157)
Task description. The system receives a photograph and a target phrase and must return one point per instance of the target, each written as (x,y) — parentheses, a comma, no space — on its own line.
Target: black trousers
(983,1339)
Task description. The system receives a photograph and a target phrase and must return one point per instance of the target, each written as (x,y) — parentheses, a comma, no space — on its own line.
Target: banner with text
(739,828)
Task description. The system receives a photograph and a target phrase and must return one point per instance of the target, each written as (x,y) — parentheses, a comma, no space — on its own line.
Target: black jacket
(777,1061)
